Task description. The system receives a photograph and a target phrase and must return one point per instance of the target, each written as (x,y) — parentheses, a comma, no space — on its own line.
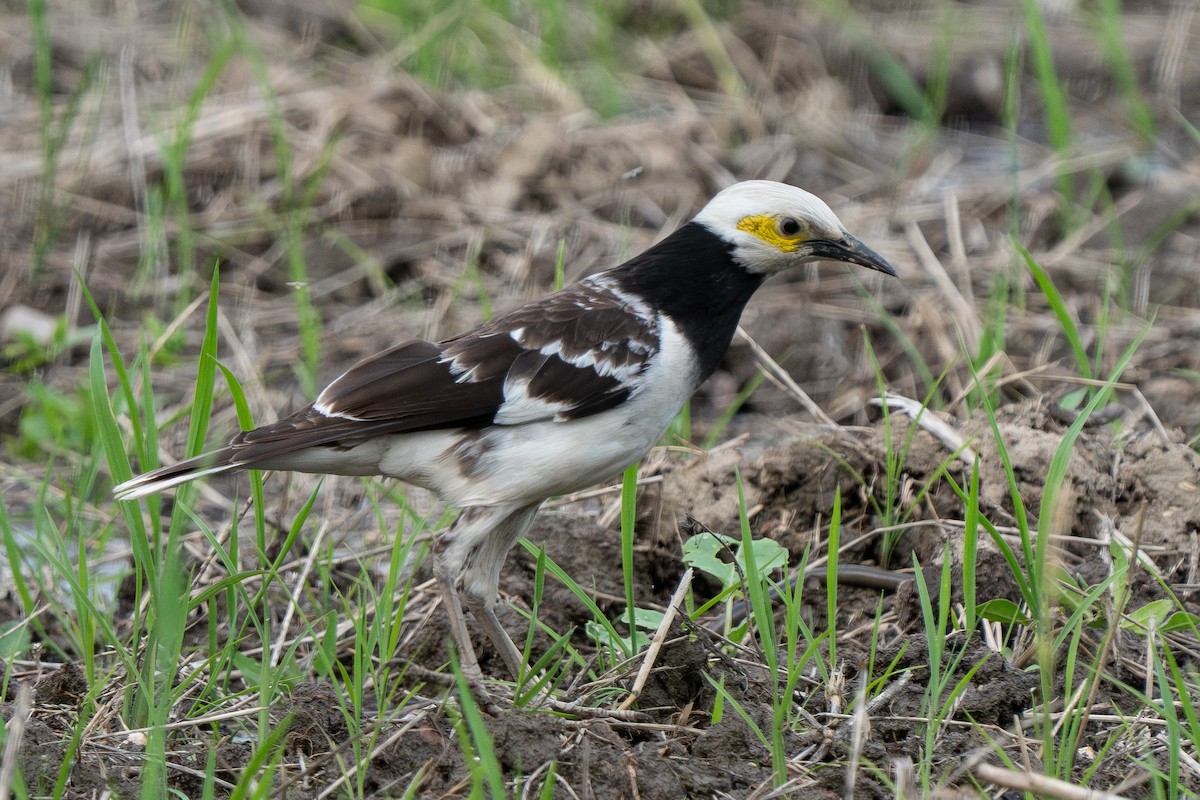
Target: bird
(550,398)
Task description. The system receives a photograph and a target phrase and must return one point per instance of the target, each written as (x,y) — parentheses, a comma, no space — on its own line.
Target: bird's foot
(513,658)
(467,660)
(491,701)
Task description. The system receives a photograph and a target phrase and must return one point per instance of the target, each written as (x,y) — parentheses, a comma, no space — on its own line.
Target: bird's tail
(165,477)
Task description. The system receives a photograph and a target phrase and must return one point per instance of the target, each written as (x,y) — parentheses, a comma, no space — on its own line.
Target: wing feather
(575,353)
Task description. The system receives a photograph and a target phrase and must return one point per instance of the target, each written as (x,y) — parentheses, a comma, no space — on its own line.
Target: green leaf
(1003,611)
(645,618)
(1149,618)
(1061,312)
(708,552)
(1180,621)
(1073,401)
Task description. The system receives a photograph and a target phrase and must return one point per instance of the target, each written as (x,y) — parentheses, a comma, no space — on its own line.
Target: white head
(773,226)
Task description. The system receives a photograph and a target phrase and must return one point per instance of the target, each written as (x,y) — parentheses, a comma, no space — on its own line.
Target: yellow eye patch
(766,227)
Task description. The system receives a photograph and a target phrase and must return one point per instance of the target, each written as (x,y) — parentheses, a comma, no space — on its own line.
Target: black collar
(692,278)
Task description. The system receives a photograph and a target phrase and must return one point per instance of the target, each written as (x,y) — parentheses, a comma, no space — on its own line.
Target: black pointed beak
(852,251)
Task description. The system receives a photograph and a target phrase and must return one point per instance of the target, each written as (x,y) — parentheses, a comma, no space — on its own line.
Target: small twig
(1185,757)
(860,727)
(1039,784)
(930,422)
(660,636)
(593,712)
(293,596)
(488,700)
(194,722)
(633,779)
(195,773)
(962,311)
(1118,609)
(485,698)
(672,728)
(771,367)
(533,776)
(978,374)
(1147,410)
(16,730)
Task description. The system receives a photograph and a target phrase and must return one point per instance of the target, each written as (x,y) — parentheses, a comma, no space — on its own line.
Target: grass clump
(200,621)
(571,50)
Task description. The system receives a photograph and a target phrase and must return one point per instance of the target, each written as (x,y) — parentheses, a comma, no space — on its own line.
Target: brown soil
(418,182)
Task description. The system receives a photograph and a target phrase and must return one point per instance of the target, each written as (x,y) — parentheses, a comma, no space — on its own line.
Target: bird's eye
(789,226)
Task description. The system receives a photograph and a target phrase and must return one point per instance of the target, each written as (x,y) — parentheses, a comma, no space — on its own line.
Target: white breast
(533,461)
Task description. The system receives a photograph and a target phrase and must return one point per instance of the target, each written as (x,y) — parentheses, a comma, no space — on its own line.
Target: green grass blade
(628,520)
(730,700)
(481,738)
(1054,98)
(833,546)
(577,590)
(970,546)
(1107,23)
(756,588)
(1059,306)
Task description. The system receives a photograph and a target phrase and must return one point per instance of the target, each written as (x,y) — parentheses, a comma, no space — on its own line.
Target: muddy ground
(425,199)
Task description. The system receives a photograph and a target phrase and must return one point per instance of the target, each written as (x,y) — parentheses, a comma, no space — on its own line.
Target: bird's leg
(486,614)
(468,661)
(474,551)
